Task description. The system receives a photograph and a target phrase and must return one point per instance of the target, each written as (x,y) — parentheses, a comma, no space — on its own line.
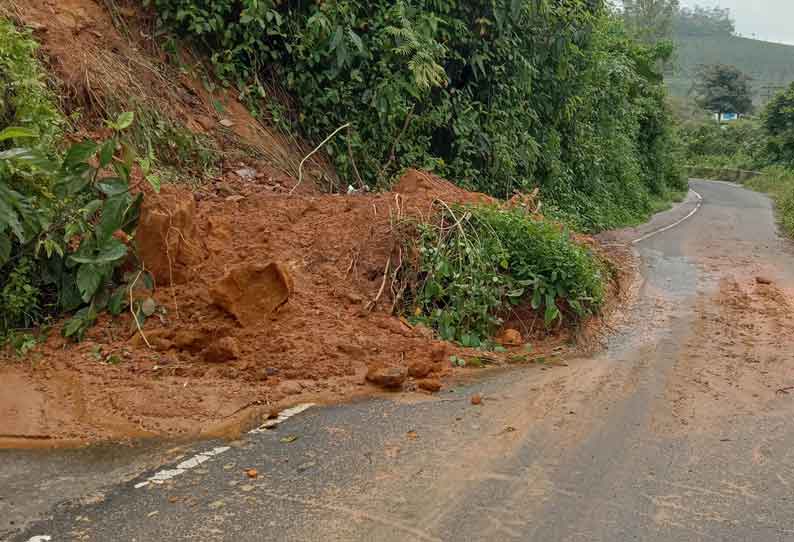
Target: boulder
(252,292)
(387,377)
(419,369)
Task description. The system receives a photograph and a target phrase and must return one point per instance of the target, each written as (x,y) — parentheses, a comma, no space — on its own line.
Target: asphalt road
(678,431)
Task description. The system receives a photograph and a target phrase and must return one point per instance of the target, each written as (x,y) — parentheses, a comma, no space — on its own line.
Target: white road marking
(41,538)
(183,467)
(673,225)
(283,416)
(198,459)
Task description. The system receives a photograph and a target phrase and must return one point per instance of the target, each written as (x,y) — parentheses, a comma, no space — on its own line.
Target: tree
(723,89)
(650,21)
(778,122)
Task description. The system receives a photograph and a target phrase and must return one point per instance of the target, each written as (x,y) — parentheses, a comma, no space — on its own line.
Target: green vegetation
(477,262)
(778,182)
(64,222)
(498,96)
(723,89)
(766,146)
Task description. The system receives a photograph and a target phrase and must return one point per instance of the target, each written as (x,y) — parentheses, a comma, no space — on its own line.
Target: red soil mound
(263,296)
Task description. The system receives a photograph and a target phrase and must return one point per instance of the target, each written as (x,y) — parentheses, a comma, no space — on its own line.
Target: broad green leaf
(125,120)
(112,217)
(89,279)
(112,186)
(17,132)
(154,182)
(106,153)
(111,251)
(79,153)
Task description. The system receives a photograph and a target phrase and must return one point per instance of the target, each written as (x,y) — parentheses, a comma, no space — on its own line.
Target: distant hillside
(769,64)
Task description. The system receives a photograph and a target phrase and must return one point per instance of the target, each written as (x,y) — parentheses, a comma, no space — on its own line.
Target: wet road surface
(681,429)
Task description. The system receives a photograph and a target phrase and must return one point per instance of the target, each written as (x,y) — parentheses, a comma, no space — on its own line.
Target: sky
(769,20)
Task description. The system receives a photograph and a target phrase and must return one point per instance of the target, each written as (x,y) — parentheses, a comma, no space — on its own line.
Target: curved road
(681,430)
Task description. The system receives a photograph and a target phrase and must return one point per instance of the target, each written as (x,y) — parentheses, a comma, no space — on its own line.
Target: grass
(660,204)
(778,182)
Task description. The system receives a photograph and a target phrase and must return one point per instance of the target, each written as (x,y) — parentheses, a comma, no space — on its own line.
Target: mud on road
(680,430)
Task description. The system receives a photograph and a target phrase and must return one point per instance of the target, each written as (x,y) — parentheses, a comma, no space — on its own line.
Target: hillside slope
(769,64)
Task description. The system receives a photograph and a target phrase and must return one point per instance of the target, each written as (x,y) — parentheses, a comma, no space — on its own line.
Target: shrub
(478,261)
(60,249)
(497,95)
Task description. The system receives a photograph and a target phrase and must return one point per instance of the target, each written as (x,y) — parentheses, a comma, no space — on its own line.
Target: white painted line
(673,225)
(183,467)
(198,459)
(283,416)
(41,538)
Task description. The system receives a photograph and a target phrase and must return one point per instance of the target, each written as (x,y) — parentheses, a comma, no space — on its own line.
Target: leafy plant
(477,262)
(62,250)
(497,95)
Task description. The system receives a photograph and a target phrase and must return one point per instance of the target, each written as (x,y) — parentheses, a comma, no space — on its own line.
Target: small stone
(225,349)
(419,369)
(290,387)
(252,473)
(228,123)
(246,173)
(476,399)
(387,377)
(432,385)
(763,280)
(510,337)
(247,488)
(217,504)
(235,199)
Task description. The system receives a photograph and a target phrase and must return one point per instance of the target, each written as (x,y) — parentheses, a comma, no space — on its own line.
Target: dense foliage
(778,122)
(64,219)
(496,95)
(765,146)
(720,88)
(477,263)
(650,21)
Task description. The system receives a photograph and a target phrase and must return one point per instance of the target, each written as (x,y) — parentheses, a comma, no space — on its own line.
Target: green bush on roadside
(477,262)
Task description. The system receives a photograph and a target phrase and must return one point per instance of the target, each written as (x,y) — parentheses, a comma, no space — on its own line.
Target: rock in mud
(225,349)
(510,337)
(290,387)
(763,280)
(419,369)
(476,399)
(166,236)
(431,384)
(387,377)
(251,292)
